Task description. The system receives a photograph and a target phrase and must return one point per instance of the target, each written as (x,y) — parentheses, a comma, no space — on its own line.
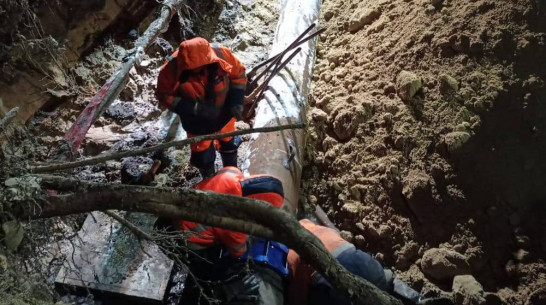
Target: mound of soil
(427,136)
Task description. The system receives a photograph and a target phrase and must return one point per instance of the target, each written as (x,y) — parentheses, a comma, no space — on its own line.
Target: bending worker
(308,287)
(222,256)
(205,85)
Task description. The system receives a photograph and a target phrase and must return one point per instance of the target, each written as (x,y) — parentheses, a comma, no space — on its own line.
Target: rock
(348,236)
(360,241)
(455,140)
(344,125)
(443,264)
(417,190)
(350,209)
(538,297)
(521,255)
(380,257)
(407,85)
(13,234)
(448,84)
(467,291)
(121,110)
(318,115)
(363,17)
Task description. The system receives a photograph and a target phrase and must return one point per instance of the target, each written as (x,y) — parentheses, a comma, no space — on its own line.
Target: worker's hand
(237,112)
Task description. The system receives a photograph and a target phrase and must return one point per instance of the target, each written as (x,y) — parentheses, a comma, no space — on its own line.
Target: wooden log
(115,84)
(220,210)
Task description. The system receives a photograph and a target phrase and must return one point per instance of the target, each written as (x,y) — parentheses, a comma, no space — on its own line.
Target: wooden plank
(109,258)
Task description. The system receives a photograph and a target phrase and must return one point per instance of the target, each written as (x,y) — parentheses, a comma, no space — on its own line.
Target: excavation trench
(130,121)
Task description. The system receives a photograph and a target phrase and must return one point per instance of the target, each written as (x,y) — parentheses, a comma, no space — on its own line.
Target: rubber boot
(207,171)
(401,290)
(229,158)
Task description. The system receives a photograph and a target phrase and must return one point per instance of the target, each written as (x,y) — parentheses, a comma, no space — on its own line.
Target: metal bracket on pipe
(291,154)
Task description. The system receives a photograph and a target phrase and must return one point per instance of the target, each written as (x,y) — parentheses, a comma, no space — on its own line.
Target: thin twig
(132,153)
(136,230)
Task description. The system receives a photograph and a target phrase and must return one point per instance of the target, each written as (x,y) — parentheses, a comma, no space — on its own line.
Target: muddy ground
(428,132)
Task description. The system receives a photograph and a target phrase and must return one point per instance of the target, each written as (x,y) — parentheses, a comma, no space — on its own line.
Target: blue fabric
(260,185)
(358,263)
(270,253)
(203,158)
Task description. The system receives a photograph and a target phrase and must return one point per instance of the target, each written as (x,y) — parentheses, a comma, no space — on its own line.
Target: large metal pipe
(280,153)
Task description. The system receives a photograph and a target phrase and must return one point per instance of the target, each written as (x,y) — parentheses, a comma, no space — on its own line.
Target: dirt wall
(428,132)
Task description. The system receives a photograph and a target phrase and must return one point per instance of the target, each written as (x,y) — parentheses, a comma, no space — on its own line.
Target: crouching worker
(306,286)
(205,85)
(238,269)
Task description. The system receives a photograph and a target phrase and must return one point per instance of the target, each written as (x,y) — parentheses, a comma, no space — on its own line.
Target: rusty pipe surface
(280,153)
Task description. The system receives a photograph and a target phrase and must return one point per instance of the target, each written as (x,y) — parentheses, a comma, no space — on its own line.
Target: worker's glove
(237,112)
(244,289)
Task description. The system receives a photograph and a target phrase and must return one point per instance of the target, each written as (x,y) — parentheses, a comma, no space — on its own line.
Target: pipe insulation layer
(280,153)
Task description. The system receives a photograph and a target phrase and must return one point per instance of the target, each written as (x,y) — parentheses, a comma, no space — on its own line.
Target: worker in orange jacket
(230,180)
(205,85)
(306,286)
(239,283)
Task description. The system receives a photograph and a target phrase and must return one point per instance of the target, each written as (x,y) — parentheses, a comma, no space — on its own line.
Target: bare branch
(6,120)
(132,153)
(241,214)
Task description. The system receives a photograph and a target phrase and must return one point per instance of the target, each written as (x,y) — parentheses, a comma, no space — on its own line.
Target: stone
(363,17)
(455,140)
(360,241)
(318,115)
(121,110)
(344,125)
(522,255)
(467,291)
(13,234)
(448,84)
(417,190)
(407,85)
(443,264)
(348,236)
(350,209)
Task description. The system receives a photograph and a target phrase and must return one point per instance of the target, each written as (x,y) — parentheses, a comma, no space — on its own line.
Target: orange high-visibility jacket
(230,180)
(186,93)
(300,272)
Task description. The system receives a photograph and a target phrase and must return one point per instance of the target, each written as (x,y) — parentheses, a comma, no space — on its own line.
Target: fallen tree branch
(6,120)
(136,230)
(132,153)
(241,214)
(115,84)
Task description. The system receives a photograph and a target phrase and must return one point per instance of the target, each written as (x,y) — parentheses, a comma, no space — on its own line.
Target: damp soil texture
(427,138)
